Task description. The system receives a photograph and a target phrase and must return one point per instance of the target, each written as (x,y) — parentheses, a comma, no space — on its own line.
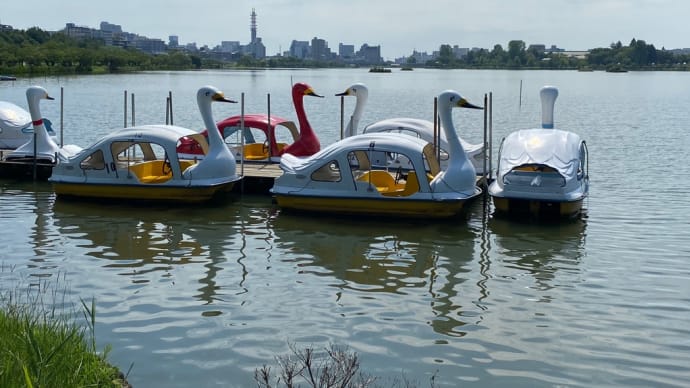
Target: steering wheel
(398,174)
(166,168)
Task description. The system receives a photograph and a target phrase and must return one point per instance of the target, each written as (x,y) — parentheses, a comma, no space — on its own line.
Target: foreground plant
(335,367)
(40,347)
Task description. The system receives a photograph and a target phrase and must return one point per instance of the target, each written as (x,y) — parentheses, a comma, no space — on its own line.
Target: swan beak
(310,92)
(49,98)
(462,103)
(220,97)
(345,93)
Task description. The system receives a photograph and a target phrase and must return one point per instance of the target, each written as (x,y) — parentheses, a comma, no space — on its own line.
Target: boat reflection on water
(179,246)
(538,248)
(374,260)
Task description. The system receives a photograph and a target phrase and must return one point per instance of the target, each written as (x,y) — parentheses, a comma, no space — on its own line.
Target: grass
(43,346)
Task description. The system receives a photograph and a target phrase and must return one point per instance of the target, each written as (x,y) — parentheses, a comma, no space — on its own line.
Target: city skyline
(397,29)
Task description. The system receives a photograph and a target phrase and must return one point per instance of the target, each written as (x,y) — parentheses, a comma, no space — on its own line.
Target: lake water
(202,296)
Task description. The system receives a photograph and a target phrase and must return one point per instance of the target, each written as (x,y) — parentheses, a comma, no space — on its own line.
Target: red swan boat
(276,137)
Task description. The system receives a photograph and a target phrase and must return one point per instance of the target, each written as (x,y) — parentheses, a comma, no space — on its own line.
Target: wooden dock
(257,178)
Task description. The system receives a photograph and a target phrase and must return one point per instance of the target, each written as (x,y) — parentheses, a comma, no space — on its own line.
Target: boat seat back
(151,172)
(382,180)
(411,187)
(255,151)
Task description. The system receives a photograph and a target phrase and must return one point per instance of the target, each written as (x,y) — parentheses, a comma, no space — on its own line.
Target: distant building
(230,46)
(346,51)
(369,54)
(173,41)
(319,49)
(5,28)
(77,32)
(538,48)
(460,52)
(299,49)
(255,48)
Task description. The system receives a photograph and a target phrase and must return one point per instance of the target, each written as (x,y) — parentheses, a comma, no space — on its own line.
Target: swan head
(453,99)
(357,90)
(35,93)
(301,89)
(208,94)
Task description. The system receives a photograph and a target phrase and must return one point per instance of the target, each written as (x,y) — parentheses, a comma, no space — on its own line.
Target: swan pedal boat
(35,150)
(343,178)
(544,171)
(352,176)
(303,141)
(137,163)
(256,147)
(425,130)
(407,126)
(15,126)
(142,163)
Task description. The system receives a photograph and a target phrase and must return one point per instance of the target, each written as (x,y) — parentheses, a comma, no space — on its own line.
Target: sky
(399,27)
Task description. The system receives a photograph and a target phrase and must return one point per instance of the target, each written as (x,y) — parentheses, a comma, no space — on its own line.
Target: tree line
(38,52)
(638,55)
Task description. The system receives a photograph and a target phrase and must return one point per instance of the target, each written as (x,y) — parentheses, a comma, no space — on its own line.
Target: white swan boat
(408,126)
(15,126)
(39,151)
(346,176)
(542,171)
(142,163)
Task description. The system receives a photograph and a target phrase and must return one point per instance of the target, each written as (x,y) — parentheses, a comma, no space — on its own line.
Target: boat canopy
(558,149)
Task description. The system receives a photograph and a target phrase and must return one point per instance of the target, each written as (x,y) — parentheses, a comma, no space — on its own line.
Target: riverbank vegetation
(42,346)
(36,52)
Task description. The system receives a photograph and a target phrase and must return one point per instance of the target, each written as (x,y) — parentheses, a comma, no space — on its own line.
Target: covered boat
(542,171)
(351,176)
(142,163)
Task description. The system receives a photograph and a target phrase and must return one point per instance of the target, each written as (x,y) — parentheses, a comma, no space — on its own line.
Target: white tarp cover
(555,148)
(13,117)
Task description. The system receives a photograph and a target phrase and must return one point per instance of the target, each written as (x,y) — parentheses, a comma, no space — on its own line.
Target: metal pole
(133,112)
(342,117)
(167,110)
(171,107)
(62,105)
(125,109)
(491,136)
(520,105)
(486,140)
(35,151)
(268,101)
(437,131)
(242,142)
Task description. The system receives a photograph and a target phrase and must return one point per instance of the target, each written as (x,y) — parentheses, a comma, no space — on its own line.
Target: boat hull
(373,206)
(162,193)
(537,208)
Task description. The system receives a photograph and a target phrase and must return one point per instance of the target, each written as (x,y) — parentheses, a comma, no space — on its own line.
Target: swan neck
(304,126)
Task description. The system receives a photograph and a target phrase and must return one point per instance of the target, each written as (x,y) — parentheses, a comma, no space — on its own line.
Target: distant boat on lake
(7,78)
(379,69)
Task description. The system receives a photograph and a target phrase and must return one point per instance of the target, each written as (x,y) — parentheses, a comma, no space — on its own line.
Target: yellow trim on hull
(387,206)
(191,194)
(537,207)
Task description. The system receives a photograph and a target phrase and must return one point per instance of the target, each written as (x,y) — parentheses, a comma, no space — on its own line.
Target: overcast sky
(398,26)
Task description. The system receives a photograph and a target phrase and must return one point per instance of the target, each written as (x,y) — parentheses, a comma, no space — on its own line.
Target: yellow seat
(150,172)
(411,187)
(255,151)
(382,180)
